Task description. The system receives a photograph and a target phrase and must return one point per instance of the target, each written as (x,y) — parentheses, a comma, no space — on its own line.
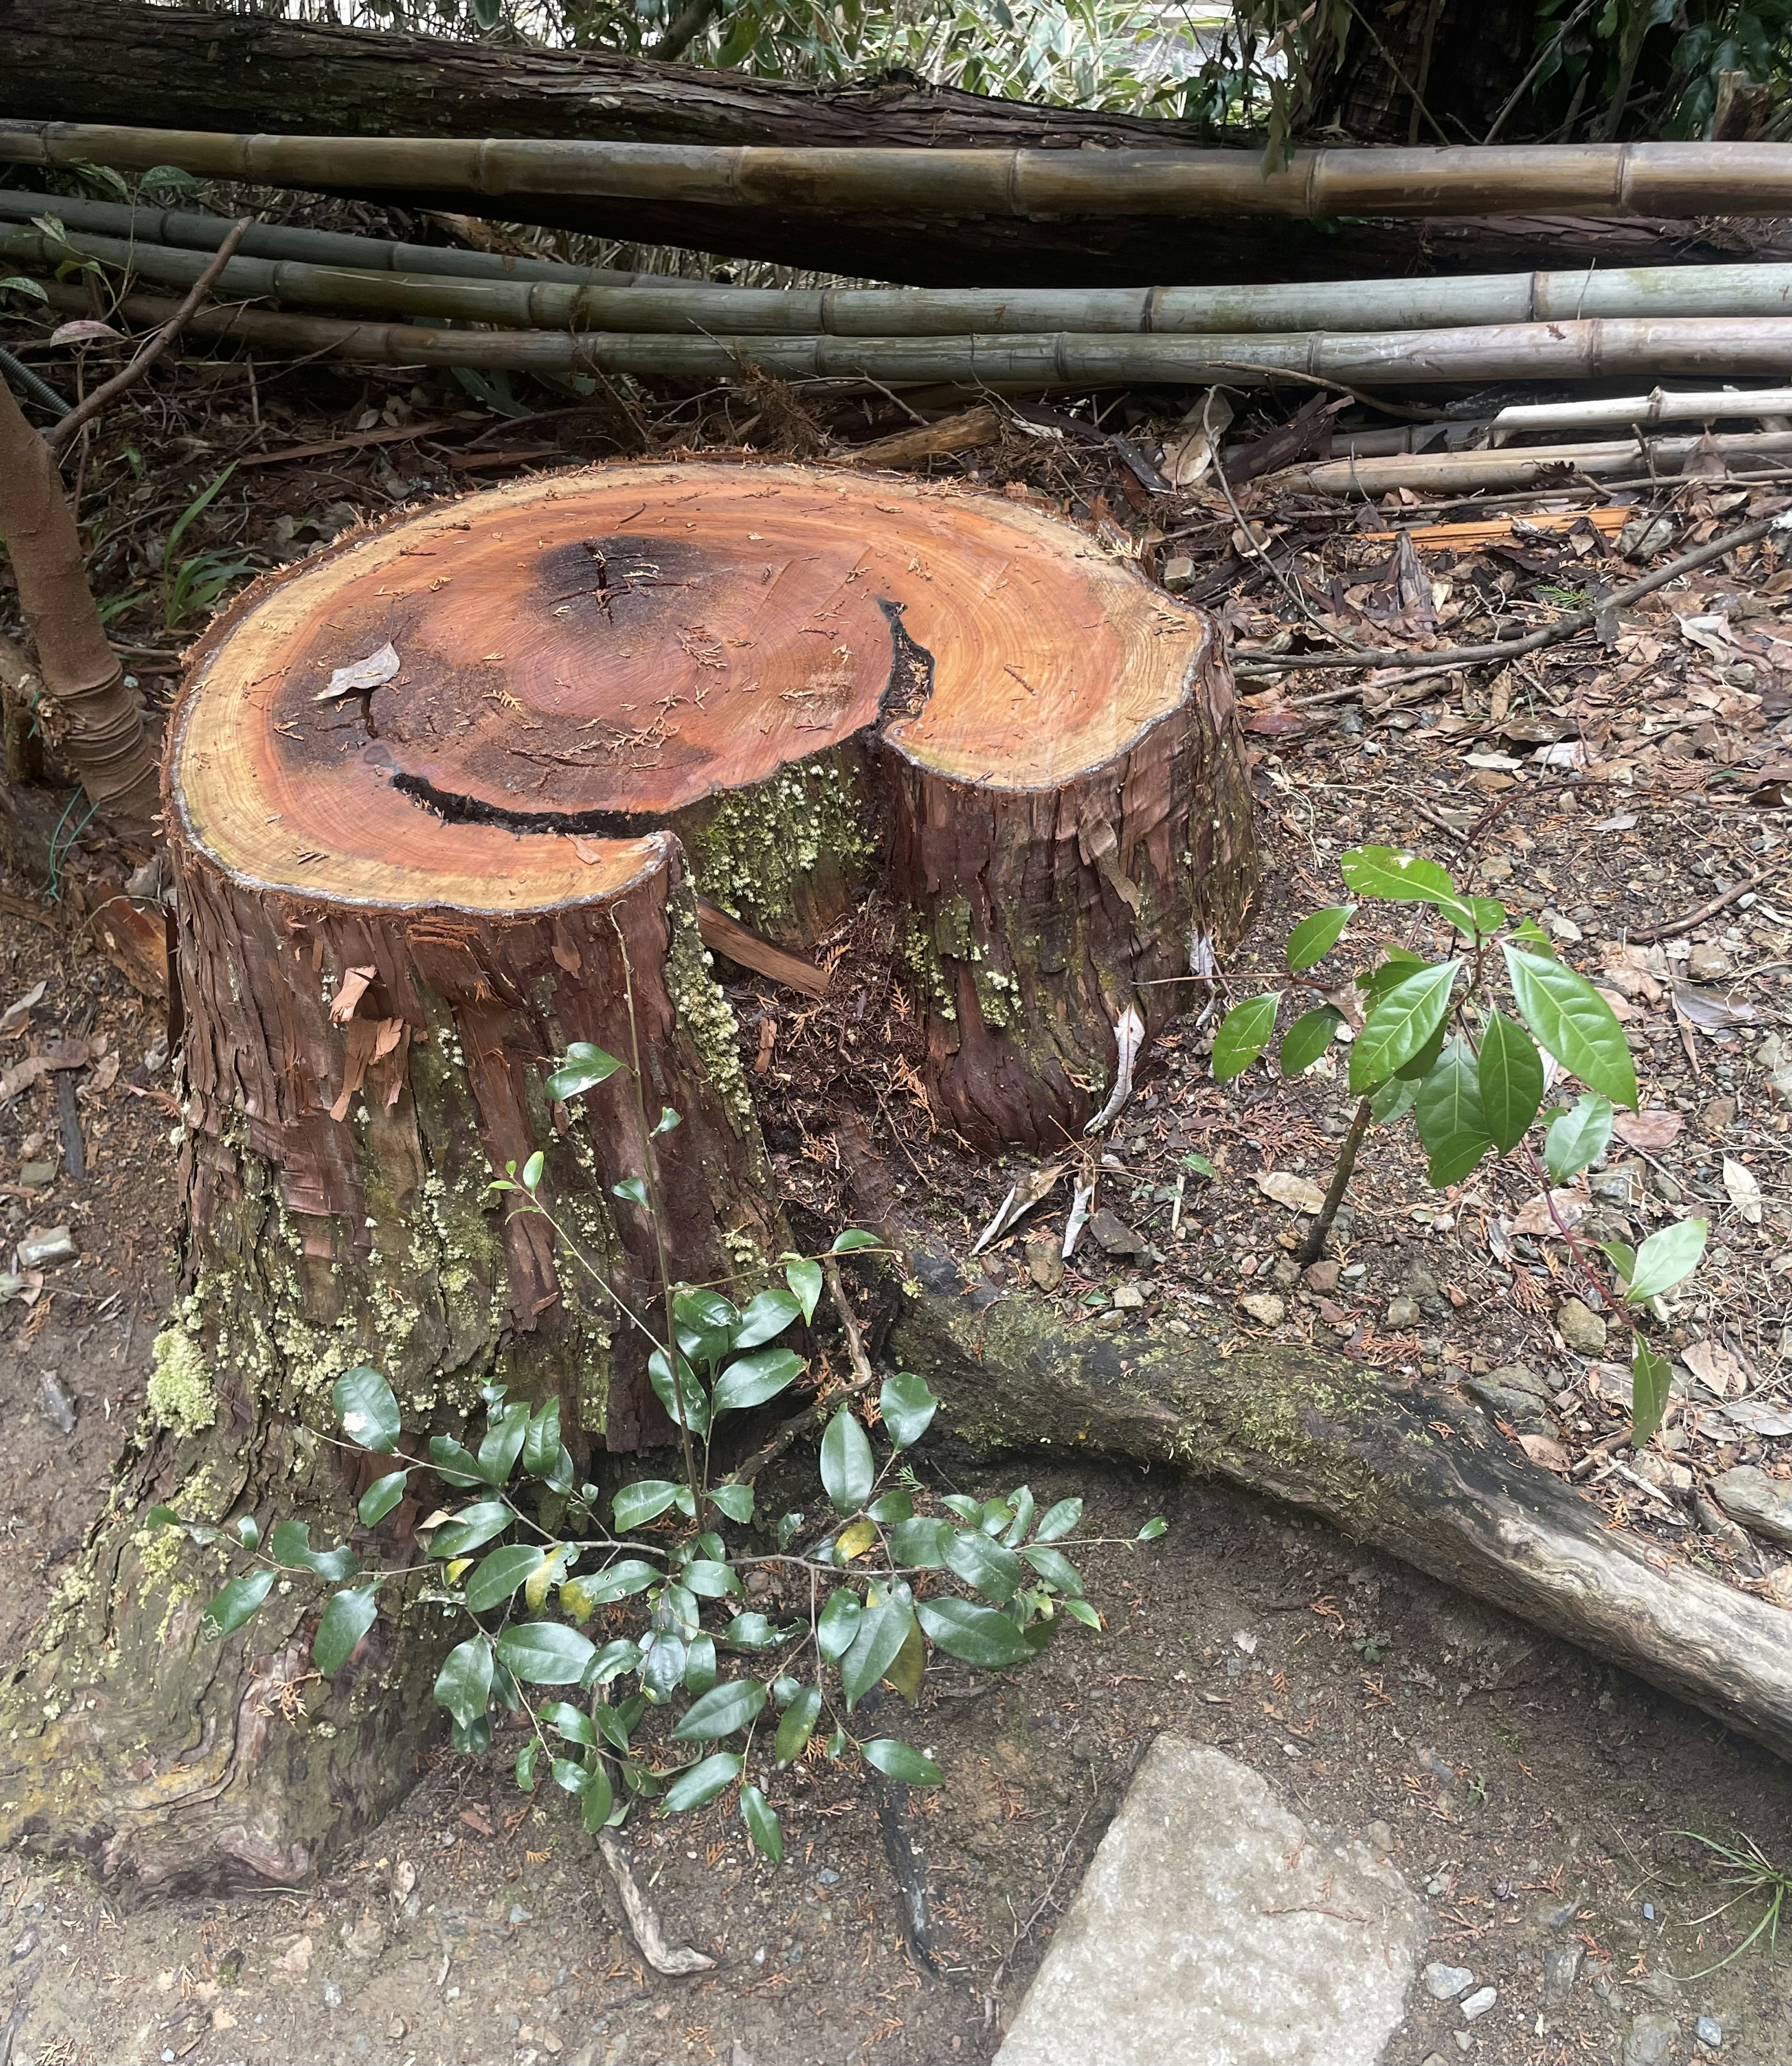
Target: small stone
(1521,1411)
(1379,1837)
(332,1994)
(1749,1496)
(1478,2003)
(55,1403)
(1707,962)
(1114,1236)
(1581,1328)
(1651,2042)
(1444,1982)
(1718,1524)
(1045,1264)
(1422,1287)
(1719,1115)
(34,1175)
(1178,574)
(1708,2030)
(38,1251)
(1403,1311)
(1562,1967)
(1323,1276)
(1623,1184)
(366,1938)
(1660,1985)
(1129,1298)
(1263,1306)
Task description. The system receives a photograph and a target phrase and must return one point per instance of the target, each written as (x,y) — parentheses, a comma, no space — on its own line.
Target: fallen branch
(1676,927)
(103,397)
(673,1960)
(1249,660)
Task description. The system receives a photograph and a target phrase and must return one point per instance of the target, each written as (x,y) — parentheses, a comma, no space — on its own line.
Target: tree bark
(117,61)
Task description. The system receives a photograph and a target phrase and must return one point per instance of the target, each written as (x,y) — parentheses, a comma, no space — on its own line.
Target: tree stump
(441,802)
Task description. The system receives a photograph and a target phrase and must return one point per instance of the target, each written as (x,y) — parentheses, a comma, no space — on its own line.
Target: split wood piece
(1460,538)
(673,1960)
(584,699)
(1522,466)
(1418,1474)
(562,299)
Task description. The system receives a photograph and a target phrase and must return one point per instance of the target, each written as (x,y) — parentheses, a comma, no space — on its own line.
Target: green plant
(196,583)
(679,1708)
(1434,1040)
(1745,1869)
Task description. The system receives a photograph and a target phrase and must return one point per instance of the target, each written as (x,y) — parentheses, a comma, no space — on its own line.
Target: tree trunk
(112,61)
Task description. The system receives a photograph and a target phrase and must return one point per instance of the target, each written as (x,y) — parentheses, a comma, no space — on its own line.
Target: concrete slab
(1214,1929)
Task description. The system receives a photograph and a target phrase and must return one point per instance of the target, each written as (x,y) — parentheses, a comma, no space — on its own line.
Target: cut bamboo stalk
(1704,405)
(192,230)
(1399,358)
(1583,179)
(1518,467)
(649,301)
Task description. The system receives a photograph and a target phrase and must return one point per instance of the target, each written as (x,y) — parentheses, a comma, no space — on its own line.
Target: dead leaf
(1622,1009)
(474,1819)
(359,678)
(21,1075)
(105,1074)
(1572,1205)
(1296,1192)
(17,1013)
(1653,1128)
(1707,1010)
(1722,1372)
(349,993)
(1755,1416)
(1543,1449)
(1745,1191)
(1030,1188)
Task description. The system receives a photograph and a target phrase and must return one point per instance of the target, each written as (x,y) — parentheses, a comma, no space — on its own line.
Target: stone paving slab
(1213,1928)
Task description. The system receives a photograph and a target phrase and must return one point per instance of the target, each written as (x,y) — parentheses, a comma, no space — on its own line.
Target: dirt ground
(1538,1800)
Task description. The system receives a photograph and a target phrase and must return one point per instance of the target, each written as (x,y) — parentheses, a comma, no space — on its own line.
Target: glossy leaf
(898,1761)
(1059,1520)
(584,1068)
(1243,1034)
(1578,1137)
(767,1315)
(644,1501)
(907,1407)
(755,1631)
(526,1760)
(290,1545)
(853,1237)
(598,1589)
(1573,1023)
(471,1527)
(690,1407)
(838,1624)
(542,1442)
(1308,1039)
(702,1782)
(752,1380)
(662,1667)
(453,1464)
(366,1410)
(464,1684)
(978,1635)
(1315,937)
(710,1579)
(700,1664)
(735,1501)
(345,1620)
(546,1653)
(1651,1381)
(855,1540)
(909,1666)
(888,1508)
(1389,1100)
(1393,876)
(993,1570)
(762,1824)
(1511,1080)
(848,1472)
(921,1543)
(797,1725)
(632,1191)
(1054,1567)
(1157,1525)
(882,1631)
(498,1576)
(506,1430)
(1400,1024)
(381,1496)
(804,1276)
(233,1605)
(597,1798)
(1446,1110)
(721,1711)
(1665,1258)
(571,1723)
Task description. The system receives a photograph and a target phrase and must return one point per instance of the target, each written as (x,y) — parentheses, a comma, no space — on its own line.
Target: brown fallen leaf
(1543,1449)
(1653,1128)
(474,1819)
(1572,1205)
(1721,1369)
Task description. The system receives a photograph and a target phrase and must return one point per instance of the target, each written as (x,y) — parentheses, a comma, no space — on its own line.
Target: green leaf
(896,1760)
(236,1602)
(497,1577)
(1394,877)
(838,1624)
(611,1662)
(464,1684)
(546,1653)
(797,1725)
(752,1380)
(890,1507)
(1651,1378)
(1665,1258)
(381,1496)
(907,1407)
(1157,1525)
(1511,1077)
(1400,1024)
(666,1122)
(1388,1100)
(709,1579)
(1081,1610)
(921,1543)
(1488,913)
(910,1666)
(1447,1113)
(805,1279)
(541,1442)
(246,1530)
(471,1527)
(525,1765)
(1573,1023)
(1059,1520)
(345,1620)
(581,1597)
(1243,1034)
(993,1570)
(453,1464)
(290,1546)
(1315,937)
(597,1798)
(1578,1137)
(505,1431)
(721,1711)
(754,1631)
(735,1501)
(691,1408)
(631,1191)
(848,1472)
(882,1631)
(571,1723)
(762,1824)
(1308,1039)
(1054,1567)
(569,1773)
(644,1501)
(977,1635)
(699,1783)
(584,1068)
(532,1171)
(767,1315)
(366,1410)
(853,1237)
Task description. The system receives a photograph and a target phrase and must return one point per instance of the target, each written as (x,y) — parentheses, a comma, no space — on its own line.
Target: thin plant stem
(1315,1245)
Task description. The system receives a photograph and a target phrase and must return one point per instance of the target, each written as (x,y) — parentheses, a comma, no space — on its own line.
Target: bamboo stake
(1404,359)
(1704,406)
(190,230)
(653,302)
(1518,467)
(1585,179)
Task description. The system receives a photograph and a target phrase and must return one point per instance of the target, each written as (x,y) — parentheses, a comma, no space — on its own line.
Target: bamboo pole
(653,302)
(1404,359)
(1522,467)
(190,230)
(1583,179)
(1703,406)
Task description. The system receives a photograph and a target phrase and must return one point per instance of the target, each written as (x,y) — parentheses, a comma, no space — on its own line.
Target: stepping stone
(1213,1929)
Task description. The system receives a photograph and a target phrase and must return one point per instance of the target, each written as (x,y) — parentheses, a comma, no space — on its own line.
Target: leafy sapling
(1472,1060)
(683,1690)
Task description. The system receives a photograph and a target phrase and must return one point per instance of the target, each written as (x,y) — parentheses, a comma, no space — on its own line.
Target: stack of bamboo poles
(365,300)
